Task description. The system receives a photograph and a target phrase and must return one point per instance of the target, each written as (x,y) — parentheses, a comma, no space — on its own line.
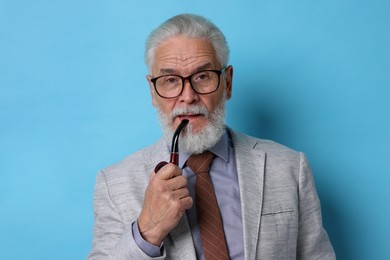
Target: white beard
(196,142)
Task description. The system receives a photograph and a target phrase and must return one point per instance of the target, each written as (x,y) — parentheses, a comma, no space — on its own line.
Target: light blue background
(313,75)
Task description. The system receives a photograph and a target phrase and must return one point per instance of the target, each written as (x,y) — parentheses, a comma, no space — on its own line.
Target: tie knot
(200,162)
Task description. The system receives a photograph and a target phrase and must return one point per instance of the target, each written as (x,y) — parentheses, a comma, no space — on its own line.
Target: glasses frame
(188,78)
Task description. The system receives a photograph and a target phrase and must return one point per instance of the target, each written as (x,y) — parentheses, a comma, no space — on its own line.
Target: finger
(168,171)
(186,202)
(159,166)
(178,182)
(180,205)
(180,193)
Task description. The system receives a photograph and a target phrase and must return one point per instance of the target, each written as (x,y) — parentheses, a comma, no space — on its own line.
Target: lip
(190,117)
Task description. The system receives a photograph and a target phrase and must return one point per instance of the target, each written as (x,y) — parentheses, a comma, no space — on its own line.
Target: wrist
(149,234)
(148,248)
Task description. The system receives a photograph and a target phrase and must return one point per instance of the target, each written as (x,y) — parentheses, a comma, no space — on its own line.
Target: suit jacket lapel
(250,170)
(182,239)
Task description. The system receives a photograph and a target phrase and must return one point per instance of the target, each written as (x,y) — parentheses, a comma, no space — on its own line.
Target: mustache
(196,109)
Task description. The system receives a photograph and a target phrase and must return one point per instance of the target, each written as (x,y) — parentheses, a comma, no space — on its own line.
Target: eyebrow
(165,71)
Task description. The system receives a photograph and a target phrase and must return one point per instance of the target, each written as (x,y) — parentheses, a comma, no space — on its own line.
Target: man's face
(185,56)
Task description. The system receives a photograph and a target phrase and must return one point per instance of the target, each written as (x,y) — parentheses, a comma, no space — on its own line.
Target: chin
(194,129)
(195,142)
(201,133)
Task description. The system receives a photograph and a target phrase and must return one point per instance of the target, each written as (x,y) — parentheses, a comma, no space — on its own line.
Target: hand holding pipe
(175,146)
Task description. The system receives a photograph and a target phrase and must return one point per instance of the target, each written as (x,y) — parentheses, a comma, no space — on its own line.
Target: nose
(188,95)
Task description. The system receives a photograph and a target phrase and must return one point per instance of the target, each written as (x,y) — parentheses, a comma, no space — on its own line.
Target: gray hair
(191,26)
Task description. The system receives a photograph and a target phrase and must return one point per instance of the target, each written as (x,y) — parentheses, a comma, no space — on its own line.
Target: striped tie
(209,218)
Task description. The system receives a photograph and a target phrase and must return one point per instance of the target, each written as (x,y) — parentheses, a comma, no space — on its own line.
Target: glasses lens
(205,81)
(169,86)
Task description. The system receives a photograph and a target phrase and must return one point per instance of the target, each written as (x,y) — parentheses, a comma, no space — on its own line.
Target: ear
(229,81)
(151,88)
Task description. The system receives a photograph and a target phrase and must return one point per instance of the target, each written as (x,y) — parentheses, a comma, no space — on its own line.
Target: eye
(201,76)
(171,80)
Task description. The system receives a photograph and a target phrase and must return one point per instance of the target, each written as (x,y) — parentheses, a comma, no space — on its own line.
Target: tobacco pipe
(175,146)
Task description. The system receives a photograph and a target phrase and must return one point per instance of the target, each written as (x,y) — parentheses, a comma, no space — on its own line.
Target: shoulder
(139,163)
(124,183)
(244,142)
(278,160)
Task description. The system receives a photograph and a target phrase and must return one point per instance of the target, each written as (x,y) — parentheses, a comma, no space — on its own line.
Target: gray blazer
(280,209)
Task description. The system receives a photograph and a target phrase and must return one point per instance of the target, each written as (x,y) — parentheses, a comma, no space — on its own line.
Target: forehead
(183,55)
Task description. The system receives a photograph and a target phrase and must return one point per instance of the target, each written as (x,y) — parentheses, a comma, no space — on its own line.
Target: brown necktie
(209,218)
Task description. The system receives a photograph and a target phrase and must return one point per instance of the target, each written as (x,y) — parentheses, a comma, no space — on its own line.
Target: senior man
(231,196)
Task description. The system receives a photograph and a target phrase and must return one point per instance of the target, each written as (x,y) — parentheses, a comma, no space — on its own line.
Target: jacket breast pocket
(278,233)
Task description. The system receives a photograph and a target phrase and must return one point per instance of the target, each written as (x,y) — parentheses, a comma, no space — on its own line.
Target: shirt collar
(220,149)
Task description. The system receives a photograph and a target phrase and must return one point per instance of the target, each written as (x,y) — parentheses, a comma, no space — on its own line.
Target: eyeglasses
(202,82)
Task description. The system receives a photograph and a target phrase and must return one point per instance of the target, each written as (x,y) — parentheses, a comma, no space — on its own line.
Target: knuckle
(175,205)
(162,187)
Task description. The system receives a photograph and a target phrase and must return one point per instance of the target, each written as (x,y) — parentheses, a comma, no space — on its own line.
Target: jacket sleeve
(313,241)
(112,239)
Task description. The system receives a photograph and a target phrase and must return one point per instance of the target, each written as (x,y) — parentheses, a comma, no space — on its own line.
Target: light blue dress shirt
(223,174)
